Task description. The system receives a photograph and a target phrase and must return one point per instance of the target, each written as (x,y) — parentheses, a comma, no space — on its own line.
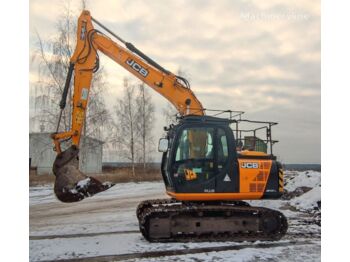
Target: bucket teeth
(71,185)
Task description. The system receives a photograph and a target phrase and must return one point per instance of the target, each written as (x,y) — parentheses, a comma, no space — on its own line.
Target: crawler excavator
(206,172)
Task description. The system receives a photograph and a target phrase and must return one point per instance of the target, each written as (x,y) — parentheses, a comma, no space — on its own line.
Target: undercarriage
(169,220)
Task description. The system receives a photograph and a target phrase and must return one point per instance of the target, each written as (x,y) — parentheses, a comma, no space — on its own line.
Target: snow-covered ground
(106,225)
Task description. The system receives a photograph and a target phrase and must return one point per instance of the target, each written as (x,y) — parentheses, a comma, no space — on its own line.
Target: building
(42,156)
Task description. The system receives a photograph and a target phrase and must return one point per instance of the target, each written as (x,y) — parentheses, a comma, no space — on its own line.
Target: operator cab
(199,157)
(202,155)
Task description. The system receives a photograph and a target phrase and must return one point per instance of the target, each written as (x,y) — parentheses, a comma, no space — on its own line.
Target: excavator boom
(71,185)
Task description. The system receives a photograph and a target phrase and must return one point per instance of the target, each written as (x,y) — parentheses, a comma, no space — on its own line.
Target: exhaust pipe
(71,185)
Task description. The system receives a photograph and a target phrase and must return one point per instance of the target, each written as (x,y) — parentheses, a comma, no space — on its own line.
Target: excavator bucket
(71,185)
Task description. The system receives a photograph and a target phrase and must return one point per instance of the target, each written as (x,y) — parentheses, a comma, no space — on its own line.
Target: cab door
(203,160)
(193,168)
(227,178)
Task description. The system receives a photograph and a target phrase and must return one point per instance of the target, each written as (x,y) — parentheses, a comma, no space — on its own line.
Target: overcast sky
(261,57)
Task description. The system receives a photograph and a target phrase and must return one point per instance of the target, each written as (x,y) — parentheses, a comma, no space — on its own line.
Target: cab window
(194,155)
(195,143)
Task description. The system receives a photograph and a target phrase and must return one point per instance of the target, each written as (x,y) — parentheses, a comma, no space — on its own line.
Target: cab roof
(204,119)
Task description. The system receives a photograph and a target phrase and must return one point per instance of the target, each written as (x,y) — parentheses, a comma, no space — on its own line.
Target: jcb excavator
(206,171)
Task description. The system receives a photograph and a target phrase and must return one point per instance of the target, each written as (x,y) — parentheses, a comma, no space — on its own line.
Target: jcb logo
(137,67)
(249,165)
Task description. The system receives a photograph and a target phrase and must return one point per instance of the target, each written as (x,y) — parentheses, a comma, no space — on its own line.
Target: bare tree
(126,122)
(53,56)
(144,126)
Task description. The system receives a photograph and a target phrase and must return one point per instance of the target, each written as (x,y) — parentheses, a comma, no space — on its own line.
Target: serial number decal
(138,68)
(250,165)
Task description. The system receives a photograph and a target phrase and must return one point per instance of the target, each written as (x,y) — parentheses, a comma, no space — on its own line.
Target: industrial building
(42,156)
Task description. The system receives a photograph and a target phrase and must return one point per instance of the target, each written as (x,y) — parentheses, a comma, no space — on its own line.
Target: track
(155,254)
(168,220)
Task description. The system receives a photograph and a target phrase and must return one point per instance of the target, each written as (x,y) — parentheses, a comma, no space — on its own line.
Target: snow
(112,212)
(41,195)
(83,183)
(305,178)
(248,254)
(307,201)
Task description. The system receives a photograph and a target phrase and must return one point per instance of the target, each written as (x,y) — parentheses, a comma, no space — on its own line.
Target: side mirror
(163,145)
